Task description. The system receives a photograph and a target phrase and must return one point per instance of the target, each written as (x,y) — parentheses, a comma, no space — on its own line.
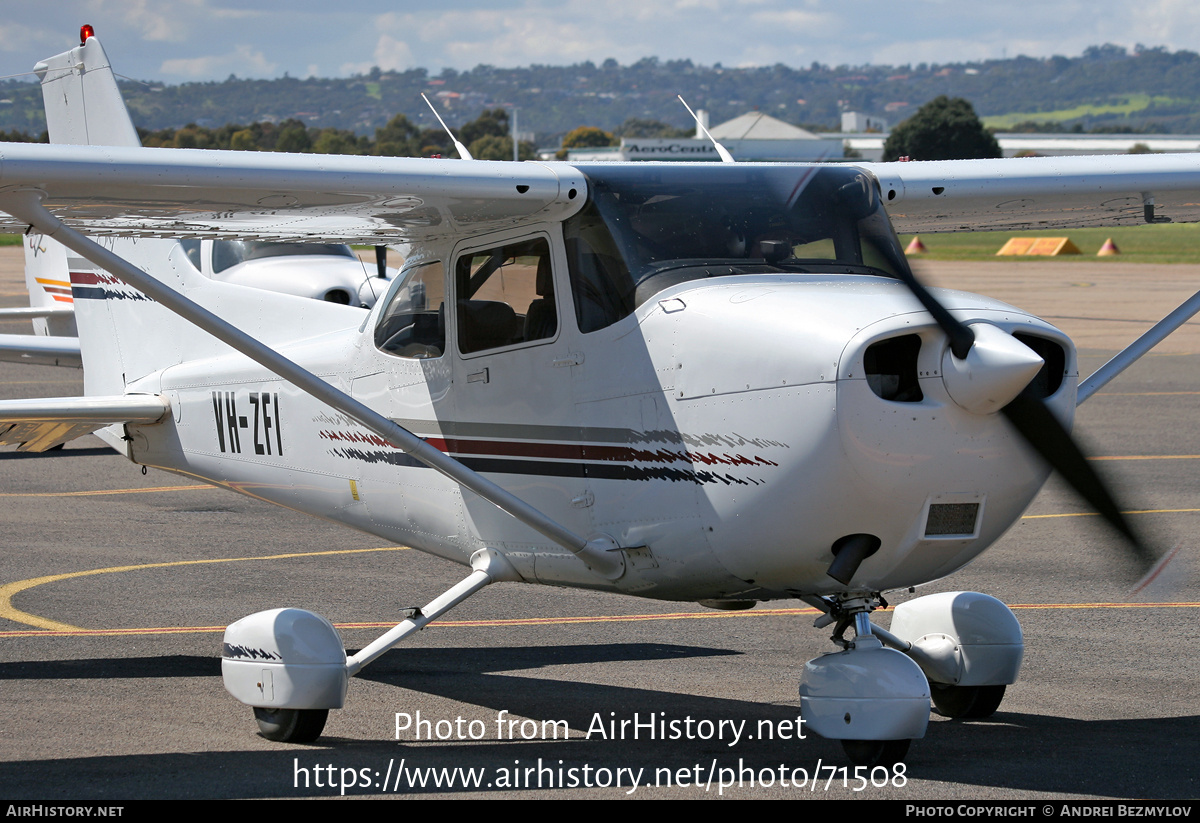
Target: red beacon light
(86,31)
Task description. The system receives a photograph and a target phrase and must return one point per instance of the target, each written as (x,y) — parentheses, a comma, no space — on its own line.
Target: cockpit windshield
(645,228)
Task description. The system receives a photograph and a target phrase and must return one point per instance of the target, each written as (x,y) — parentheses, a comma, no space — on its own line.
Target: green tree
(397,138)
(243,140)
(293,136)
(492,123)
(586,137)
(641,127)
(492,147)
(943,129)
(338,141)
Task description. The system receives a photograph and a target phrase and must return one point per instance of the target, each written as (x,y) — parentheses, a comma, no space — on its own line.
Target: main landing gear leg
(291,664)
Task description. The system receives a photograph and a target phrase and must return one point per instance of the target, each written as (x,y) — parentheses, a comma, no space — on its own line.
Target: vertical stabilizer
(83,104)
(85,107)
(49,283)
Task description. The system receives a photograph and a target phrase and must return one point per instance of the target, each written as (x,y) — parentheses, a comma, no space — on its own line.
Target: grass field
(1127,105)
(1167,243)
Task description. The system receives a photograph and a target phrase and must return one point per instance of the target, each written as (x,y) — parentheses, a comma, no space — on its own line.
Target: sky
(179,41)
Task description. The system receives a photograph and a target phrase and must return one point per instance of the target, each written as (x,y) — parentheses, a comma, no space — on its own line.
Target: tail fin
(83,107)
(83,104)
(49,283)
(124,335)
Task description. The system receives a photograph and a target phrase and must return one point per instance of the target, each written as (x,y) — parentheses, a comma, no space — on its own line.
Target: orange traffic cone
(916,246)
(1108,248)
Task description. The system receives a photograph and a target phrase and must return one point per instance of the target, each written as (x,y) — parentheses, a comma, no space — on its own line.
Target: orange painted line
(623,618)
(187,488)
(1142,393)
(1180,605)
(544,621)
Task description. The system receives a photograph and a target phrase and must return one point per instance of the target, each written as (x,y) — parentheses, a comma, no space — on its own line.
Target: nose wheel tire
(291,725)
(966,702)
(871,753)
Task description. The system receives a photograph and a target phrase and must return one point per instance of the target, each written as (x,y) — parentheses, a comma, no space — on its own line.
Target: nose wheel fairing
(865,692)
(958,649)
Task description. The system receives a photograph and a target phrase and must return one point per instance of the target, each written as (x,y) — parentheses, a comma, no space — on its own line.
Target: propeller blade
(1038,426)
(1034,421)
(961,336)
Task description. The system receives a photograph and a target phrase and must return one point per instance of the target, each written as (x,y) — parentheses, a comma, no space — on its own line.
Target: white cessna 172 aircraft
(691,382)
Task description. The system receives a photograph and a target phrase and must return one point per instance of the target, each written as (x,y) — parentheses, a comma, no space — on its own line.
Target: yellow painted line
(188,488)
(1151,457)
(558,621)
(1097,514)
(7,591)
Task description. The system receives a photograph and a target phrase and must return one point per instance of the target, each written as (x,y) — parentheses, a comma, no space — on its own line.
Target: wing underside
(384,200)
(1040,192)
(250,195)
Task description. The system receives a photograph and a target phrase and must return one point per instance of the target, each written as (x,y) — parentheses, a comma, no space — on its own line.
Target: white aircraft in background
(690,382)
(322,271)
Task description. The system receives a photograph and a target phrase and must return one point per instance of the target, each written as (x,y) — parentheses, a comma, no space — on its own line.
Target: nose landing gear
(958,649)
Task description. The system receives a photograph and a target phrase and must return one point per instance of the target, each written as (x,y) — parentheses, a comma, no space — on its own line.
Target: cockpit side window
(191,248)
(600,282)
(413,324)
(505,296)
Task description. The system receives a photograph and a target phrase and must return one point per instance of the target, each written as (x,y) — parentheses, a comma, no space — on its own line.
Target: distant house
(749,137)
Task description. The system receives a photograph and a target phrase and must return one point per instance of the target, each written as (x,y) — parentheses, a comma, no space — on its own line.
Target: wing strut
(1134,351)
(600,554)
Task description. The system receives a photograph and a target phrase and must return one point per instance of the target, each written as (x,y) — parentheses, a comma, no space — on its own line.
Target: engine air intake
(1050,378)
(891,367)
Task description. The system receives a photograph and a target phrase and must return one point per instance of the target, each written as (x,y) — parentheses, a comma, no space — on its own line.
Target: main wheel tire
(291,725)
(966,702)
(871,753)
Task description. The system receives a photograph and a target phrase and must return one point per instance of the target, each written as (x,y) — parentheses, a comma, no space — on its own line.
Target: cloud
(207,39)
(243,61)
(390,55)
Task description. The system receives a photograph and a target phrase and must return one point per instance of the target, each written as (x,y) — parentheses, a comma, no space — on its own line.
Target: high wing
(41,424)
(35,348)
(40,350)
(1040,192)
(198,193)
